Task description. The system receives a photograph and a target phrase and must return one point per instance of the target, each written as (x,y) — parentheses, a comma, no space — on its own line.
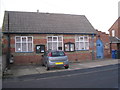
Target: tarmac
(24,70)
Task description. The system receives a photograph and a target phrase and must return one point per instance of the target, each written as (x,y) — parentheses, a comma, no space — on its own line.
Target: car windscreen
(58,53)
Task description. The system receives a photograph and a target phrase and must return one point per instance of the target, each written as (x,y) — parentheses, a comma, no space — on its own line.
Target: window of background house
(69,47)
(55,43)
(82,43)
(113,33)
(23,43)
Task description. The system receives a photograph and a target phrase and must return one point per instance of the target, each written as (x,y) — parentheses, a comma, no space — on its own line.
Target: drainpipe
(8,53)
(110,48)
(93,57)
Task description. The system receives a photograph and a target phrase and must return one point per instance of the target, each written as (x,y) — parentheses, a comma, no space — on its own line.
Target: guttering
(47,33)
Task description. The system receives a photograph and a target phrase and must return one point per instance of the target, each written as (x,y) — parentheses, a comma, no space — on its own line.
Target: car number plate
(59,63)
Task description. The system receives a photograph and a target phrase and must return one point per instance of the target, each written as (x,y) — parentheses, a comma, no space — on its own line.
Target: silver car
(55,59)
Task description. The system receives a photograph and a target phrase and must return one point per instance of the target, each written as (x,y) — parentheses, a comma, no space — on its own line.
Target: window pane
(24,39)
(71,47)
(50,46)
(77,38)
(55,42)
(54,38)
(83,43)
(54,45)
(29,47)
(66,47)
(81,38)
(60,46)
(58,53)
(81,46)
(86,45)
(77,46)
(113,33)
(49,38)
(29,39)
(24,47)
(18,39)
(85,38)
(18,47)
(59,38)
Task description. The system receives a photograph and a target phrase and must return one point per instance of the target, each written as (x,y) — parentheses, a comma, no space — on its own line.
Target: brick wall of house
(113,46)
(79,55)
(4,52)
(33,57)
(105,39)
(115,27)
(4,44)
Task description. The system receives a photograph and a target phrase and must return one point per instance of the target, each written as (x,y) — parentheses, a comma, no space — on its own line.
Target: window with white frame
(113,33)
(81,43)
(55,43)
(23,43)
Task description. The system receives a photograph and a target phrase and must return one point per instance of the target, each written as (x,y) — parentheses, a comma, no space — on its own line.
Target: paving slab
(98,63)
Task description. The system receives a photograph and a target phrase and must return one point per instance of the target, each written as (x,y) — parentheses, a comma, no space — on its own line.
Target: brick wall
(34,58)
(105,39)
(4,44)
(113,46)
(115,27)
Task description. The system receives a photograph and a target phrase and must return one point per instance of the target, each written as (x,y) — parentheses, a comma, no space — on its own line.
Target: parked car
(55,59)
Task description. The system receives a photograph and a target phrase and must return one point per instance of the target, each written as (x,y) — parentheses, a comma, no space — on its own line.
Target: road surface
(98,77)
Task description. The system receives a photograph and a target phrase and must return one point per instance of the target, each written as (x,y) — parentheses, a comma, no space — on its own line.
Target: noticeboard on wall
(40,48)
(69,47)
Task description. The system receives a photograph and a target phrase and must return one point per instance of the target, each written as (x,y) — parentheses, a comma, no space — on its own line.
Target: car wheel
(47,68)
(43,64)
(66,67)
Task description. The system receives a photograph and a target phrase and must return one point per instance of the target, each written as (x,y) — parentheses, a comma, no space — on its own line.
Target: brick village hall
(27,35)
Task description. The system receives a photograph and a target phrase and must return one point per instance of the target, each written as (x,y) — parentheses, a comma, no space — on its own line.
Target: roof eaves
(46,33)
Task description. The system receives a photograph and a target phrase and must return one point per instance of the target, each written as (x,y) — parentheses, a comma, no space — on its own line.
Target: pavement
(25,70)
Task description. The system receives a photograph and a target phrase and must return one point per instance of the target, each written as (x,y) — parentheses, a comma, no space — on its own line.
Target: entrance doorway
(99,49)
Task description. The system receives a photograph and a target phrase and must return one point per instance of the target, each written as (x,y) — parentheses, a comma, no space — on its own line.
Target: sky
(101,13)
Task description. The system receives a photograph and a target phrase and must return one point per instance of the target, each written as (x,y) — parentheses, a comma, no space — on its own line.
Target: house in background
(114,33)
(27,35)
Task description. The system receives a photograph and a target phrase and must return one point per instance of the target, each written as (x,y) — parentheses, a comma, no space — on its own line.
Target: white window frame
(78,41)
(21,43)
(55,41)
